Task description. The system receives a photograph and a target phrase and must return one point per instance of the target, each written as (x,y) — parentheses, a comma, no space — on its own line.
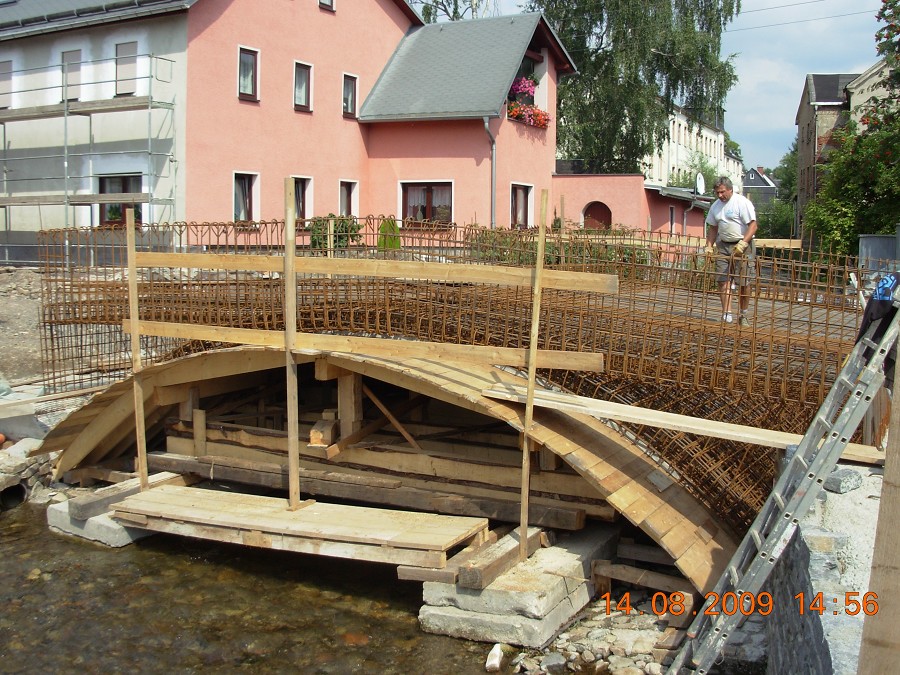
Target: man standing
(732,225)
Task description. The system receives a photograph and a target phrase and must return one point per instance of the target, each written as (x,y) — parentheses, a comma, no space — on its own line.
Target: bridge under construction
(399,334)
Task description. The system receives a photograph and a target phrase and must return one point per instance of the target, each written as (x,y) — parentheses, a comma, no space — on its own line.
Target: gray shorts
(740,269)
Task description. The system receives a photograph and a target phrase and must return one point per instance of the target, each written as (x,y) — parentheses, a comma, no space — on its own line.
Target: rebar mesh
(662,338)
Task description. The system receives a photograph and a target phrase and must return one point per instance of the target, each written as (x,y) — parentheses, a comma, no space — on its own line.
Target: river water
(177,605)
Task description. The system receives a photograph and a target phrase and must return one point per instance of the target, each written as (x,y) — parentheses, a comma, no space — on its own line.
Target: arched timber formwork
(612,464)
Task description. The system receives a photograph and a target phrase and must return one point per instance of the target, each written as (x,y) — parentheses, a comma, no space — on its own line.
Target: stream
(178,605)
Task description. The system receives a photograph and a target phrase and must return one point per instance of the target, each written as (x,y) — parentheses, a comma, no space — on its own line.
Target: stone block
(483,627)
(102,528)
(843,480)
(537,585)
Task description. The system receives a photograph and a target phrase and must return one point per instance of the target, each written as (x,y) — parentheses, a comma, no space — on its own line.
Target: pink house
(197,110)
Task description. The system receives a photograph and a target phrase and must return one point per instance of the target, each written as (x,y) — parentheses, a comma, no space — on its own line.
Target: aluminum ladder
(798,486)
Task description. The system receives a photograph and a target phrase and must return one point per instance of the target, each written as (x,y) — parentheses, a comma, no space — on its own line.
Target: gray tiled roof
(455,70)
(21,18)
(828,88)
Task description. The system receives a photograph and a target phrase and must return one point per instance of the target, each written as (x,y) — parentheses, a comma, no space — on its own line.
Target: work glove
(710,250)
(740,247)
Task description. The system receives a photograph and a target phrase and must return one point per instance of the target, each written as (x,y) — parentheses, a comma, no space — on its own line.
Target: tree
(636,62)
(698,163)
(860,192)
(776,219)
(786,172)
(453,10)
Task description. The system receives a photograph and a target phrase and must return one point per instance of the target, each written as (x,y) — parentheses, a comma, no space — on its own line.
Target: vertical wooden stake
(290,342)
(527,441)
(880,643)
(138,379)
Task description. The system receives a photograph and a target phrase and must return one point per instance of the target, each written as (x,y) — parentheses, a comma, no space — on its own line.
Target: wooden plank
(88,506)
(140,419)
(640,577)
(348,550)
(655,418)
(527,440)
(479,572)
(393,269)
(643,553)
(335,522)
(449,574)
(387,413)
(880,649)
(290,342)
(373,490)
(377,347)
(414,465)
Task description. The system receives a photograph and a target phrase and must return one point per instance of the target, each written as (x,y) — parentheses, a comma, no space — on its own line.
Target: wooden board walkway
(337,530)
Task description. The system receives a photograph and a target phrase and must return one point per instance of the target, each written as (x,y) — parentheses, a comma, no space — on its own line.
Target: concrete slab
(530,603)
(101,529)
(536,586)
(508,628)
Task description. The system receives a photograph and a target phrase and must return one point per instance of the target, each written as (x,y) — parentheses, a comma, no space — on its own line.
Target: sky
(776,43)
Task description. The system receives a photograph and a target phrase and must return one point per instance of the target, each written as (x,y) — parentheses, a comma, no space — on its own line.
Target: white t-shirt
(732,217)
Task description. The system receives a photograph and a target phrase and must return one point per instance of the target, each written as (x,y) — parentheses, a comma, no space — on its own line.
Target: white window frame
(257,73)
(309,108)
(307,195)
(6,81)
(530,187)
(430,181)
(71,78)
(354,197)
(330,5)
(126,69)
(254,193)
(355,112)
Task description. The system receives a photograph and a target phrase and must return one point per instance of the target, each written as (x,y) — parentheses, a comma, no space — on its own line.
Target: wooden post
(880,642)
(290,342)
(139,423)
(527,441)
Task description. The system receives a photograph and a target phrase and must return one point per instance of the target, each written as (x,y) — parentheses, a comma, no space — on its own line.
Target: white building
(685,142)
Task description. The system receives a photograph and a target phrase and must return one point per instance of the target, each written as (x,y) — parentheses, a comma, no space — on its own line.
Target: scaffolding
(83,140)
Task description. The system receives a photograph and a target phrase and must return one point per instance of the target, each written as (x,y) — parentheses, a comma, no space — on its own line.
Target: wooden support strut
(527,442)
(290,341)
(139,420)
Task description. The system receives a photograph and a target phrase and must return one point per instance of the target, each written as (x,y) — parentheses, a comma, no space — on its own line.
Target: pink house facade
(623,201)
(198,110)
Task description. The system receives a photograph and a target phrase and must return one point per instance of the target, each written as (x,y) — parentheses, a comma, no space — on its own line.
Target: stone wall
(826,643)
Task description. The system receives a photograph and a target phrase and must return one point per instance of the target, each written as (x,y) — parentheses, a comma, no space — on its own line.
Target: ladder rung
(778,500)
(757,539)
(735,575)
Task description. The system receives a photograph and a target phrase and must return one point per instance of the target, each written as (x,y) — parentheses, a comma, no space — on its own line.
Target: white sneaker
(728,318)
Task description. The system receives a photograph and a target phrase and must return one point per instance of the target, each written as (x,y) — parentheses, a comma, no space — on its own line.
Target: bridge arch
(613,466)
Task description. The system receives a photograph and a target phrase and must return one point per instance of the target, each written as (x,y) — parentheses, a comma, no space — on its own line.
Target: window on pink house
(428,201)
(248,75)
(518,216)
(302,87)
(327,4)
(349,96)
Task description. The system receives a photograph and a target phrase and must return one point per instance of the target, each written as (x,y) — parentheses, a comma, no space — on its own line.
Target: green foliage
(434,10)
(786,172)
(388,235)
(346,232)
(636,61)
(732,147)
(698,163)
(775,220)
(860,192)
